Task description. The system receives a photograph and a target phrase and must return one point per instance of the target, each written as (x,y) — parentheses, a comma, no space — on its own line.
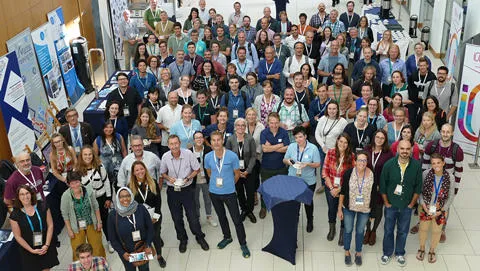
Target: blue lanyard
(235,104)
(373,120)
(360,188)
(322,108)
(300,156)
(251,93)
(30,221)
(437,188)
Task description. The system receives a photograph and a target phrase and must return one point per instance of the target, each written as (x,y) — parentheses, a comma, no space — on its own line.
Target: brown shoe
(373,238)
(414,229)
(443,237)
(366,237)
(263,213)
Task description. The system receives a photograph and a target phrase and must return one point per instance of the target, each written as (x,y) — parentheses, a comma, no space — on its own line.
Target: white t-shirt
(167,117)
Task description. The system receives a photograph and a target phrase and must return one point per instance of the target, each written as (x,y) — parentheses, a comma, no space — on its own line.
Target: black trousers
(103,214)
(230,200)
(309,208)
(184,200)
(54,200)
(157,229)
(245,191)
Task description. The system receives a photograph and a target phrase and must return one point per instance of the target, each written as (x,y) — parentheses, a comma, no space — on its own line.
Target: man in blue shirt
(142,81)
(274,141)
(235,100)
(302,159)
(270,68)
(223,167)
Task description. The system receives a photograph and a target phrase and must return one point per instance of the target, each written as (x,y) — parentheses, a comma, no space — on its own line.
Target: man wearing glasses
(77,134)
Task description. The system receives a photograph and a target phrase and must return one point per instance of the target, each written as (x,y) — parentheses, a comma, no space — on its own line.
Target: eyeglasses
(362,160)
(58,141)
(125,197)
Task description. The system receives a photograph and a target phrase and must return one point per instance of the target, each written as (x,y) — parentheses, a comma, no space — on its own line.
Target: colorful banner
(454,38)
(58,29)
(468,120)
(32,82)
(13,104)
(49,66)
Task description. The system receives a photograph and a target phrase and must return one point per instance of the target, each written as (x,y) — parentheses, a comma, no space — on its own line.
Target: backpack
(299,107)
(244,97)
(290,59)
(452,90)
(249,45)
(454,150)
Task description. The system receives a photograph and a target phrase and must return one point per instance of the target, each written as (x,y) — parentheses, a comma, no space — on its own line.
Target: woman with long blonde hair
(427,131)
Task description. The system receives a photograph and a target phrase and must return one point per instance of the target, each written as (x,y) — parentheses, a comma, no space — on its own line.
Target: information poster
(454,38)
(13,104)
(58,29)
(468,120)
(49,66)
(32,82)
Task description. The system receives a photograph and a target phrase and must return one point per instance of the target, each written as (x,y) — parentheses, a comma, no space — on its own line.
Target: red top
(330,166)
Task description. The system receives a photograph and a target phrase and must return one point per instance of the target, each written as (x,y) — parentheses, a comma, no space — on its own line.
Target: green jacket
(68,210)
(412,182)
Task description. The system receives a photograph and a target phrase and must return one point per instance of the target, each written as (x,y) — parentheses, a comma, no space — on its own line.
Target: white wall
(472,24)
(415,7)
(438,19)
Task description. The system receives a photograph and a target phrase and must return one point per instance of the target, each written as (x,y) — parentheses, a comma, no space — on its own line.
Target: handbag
(139,246)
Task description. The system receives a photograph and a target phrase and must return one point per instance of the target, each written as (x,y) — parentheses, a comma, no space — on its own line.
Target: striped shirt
(455,168)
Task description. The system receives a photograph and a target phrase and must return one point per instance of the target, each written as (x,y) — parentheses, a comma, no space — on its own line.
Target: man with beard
(128,97)
(327,64)
(250,32)
(362,63)
(292,114)
(400,187)
(445,91)
(341,93)
(312,47)
(295,62)
(266,14)
(167,116)
(368,77)
(319,19)
(302,94)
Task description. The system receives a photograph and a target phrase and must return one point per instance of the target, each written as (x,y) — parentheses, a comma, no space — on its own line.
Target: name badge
(389,79)
(242,164)
(279,140)
(202,173)
(64,175)
(126,112)
(161,37)
(136,236)
(359,149)
(82,224)
(398,190)
(136,257)
(146,142)
(433,209)
(39,196)
(37,239)
(359,200)
(299,172)
(336,181)
(156,216)
(219,182)
(235,113)
(351,55)
(77,149)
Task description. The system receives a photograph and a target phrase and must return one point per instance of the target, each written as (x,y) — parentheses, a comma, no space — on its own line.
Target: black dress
(32,262)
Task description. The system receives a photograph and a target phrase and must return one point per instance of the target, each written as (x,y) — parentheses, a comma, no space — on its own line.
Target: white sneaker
(212,221)
(110,248)
(401,261)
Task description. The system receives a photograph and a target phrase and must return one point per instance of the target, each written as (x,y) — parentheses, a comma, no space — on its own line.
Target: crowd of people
(215,108)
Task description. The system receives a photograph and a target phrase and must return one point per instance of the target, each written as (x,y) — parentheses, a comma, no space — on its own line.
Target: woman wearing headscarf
(130,226)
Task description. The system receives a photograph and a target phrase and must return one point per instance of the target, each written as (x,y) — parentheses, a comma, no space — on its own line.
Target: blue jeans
(400,217)
(349,219)
(322,161)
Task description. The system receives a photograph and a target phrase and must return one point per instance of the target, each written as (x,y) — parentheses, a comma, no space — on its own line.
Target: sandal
(421,255)
(431,257)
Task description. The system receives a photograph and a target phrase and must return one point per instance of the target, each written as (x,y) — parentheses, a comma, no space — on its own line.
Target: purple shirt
(16,180)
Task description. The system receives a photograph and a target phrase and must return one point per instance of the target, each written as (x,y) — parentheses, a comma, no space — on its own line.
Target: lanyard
(335,94)
(155,16)
(141,194)
(134,222)
(302,32)
(299,100)
(269,69)
(166,88)
(207,80)
(240,150)
(76,139)
(360,188)
(40,220)
(360,139)
(397,136)
(339,165)
(240,67)
(422,82)
(114,122)
(349,19)
(436,90)
(177,172)
(362,33)
(120,93)
(32,184)
(373,120)
(202,116)
(391,66)
(163,28)
(300,155)
(154,50)
(110,146)
(251,93)
(237,100)
(306,49)
(155,107)
(322,108)
(185,99)
(331,127)
(437,188)
(374,161)
(178,68)
(188,132)
(219,163)
(140,80)
(402,172)
(279,51)
(214,101)
(200,157)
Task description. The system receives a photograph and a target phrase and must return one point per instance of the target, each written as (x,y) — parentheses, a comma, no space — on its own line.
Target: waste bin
(385,9)
(425,36)
(412,31)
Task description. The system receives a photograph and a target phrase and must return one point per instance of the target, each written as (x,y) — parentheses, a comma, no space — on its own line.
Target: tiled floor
(460,252)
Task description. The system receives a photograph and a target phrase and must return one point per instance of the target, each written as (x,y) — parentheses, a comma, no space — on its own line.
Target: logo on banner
(465,112)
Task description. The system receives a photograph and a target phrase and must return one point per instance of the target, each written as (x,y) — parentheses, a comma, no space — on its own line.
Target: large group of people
(216,108)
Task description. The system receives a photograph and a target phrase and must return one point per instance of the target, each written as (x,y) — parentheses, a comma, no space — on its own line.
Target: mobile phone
(291,161)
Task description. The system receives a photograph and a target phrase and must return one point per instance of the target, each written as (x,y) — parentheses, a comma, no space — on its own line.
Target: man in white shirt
(244,65)
(138,154)
(167,116)
(293,38)
(236,17)
(203,12)
(295,62)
